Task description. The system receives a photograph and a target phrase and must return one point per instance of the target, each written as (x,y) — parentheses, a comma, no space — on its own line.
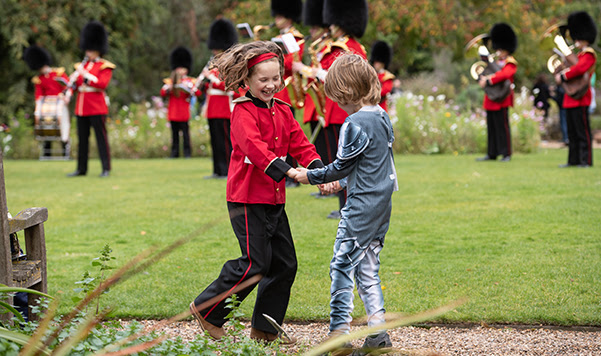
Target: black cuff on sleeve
(277,169)
(316,164)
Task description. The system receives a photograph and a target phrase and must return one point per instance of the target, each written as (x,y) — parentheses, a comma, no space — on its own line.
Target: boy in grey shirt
(365,166)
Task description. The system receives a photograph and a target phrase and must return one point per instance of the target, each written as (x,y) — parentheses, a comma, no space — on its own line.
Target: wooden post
(6,269)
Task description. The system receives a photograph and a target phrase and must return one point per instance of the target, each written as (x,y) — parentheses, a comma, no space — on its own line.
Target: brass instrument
(258,29)
(487,66)
(555,38)
(294,85)
(314,87)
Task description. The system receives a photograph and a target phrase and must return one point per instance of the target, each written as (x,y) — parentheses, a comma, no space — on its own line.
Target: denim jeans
(352,262)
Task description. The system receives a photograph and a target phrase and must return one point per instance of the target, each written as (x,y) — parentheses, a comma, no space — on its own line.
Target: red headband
(260,58)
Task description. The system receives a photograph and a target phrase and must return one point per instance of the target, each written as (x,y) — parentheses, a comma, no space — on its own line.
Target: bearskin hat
(94,37)
(381,52)
(350,15)
(313,13)
(180,57)
(36,57)
(582,27)
(222,35)
(503,37)
(290,9)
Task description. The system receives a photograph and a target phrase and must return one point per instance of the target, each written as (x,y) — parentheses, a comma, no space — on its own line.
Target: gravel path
(448,340)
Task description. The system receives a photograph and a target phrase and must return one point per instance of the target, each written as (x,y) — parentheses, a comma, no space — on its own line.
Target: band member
(505,42)
(583,31)
(381,54)
(49,85)
(222,35)
(90,80)
(286,13)
(347,20)
(180,88)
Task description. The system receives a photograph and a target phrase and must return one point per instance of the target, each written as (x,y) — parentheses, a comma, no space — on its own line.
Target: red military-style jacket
(586,63)
(219,101)
(386,78)
(178,108)
(52,83)
(289,58)
(262,136)
(91,96)
(507,72)
(334,114)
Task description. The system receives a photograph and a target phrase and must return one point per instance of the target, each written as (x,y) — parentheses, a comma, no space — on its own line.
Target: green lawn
(521,240)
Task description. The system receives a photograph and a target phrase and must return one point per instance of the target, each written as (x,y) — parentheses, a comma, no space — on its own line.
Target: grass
(521,240)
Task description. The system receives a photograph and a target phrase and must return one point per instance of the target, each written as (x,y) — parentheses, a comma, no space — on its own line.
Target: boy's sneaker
(373,343)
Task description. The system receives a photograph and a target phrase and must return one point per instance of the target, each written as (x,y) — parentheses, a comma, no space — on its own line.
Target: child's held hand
(301,176)
(292,173)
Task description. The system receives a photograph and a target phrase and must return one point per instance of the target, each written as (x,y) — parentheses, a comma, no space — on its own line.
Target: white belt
(213,91)
(88,89)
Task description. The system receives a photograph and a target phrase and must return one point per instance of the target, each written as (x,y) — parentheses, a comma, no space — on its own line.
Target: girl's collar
(258,102)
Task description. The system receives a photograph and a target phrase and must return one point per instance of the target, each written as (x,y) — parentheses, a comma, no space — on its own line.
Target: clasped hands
(300,175)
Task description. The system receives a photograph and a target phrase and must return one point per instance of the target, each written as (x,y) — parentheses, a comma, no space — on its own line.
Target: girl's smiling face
(265,80)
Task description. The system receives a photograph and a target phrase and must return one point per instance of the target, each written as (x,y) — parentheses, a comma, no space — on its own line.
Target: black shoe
(485,158)
(584,165)
(76,174)
(335,214)
(373,343)
(506,159)
(104,174)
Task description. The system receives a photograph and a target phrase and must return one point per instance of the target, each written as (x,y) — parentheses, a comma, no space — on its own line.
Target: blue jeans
(352,262)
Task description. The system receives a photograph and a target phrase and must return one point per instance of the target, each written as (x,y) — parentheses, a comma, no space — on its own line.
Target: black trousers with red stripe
(221,145)
(579,133)
(499,133)
(267,249)
(97,122)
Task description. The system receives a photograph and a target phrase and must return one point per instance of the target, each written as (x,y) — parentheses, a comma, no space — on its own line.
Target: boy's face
(265,80)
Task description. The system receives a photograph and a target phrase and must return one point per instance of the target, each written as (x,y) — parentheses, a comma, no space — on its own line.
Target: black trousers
(579,133)
(499,133)
(176,128)
(97,122)
(221,145)
(267,249)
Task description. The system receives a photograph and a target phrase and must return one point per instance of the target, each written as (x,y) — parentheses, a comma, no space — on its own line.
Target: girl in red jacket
(263,132)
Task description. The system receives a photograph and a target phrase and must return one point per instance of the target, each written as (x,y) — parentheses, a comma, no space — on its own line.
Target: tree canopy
(143,32)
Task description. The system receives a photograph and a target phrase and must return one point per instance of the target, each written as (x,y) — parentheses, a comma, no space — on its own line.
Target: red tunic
(261,138)
(586,63)
(386,78)
(218,100)
(91,97)
(52,83)
(334,114)
(178,108)
(288,60)
(507,72)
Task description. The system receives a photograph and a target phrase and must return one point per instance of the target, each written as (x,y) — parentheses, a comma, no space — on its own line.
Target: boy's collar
(371,108)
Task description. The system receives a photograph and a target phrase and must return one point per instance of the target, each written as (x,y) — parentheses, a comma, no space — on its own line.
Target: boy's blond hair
(352,80)
(233,63)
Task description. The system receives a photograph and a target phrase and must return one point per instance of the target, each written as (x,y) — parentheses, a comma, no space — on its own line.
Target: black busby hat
(381,52)
(181,57)
(290,9)
(222,35)
(582,27)
(36,57)
(350,15)
(94,37)
(313,13)
(503,37)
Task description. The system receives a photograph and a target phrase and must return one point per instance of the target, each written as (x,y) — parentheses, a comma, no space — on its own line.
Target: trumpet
(563,58)
(487,66)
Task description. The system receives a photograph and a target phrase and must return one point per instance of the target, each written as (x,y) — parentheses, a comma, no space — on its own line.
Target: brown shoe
(215,332)
(266,337)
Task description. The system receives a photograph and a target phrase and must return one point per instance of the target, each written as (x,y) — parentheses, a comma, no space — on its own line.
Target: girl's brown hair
(352,80)
(233,63)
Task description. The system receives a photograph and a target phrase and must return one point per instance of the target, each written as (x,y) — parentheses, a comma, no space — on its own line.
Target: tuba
(555,38)
(486,66)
